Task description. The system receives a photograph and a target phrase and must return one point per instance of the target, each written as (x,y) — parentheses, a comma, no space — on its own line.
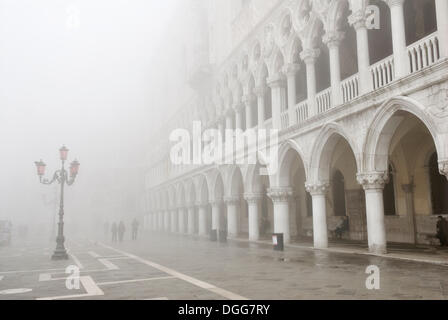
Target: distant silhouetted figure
(135,225)
(442,231)
(121,230)
(114,232)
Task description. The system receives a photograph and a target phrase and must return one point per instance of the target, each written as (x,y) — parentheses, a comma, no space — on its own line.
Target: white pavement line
(44,277)
(161,298)
(194,281)
(94,254)
(118,258)
(132,281)
(109,265)
(76,260)
(30,271)
(88,284)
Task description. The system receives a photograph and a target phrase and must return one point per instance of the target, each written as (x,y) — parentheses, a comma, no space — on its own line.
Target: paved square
(179,267)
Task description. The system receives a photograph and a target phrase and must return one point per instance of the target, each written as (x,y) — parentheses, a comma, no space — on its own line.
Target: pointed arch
(385,122)
(323,150)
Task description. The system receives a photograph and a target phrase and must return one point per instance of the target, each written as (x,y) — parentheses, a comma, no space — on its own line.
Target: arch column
(167,220)
(309,56)
(290,72)
(239,109)
(442,26)
(373,184)
(202,215)
(280,198)
(248,100)
(277,84)
(232,216)
(154,221)
(358,21)
(174,220)
(253,203)
(333,40)
(216,214)
(221,127)
(229,120)
(160,220)
(181,220)
(191,219)
(260,92)
(318,193)
(399,37)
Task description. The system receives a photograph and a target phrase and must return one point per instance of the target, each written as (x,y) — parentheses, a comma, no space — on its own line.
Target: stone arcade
(362,115)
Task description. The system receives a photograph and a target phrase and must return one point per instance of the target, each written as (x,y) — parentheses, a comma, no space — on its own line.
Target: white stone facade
(369,127)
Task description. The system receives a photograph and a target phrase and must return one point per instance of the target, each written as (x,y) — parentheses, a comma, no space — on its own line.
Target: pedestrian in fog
(442,231)
(121,230)
(114,232)
(135,225)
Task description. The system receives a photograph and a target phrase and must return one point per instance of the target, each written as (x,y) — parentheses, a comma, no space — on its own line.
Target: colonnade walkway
(401,251)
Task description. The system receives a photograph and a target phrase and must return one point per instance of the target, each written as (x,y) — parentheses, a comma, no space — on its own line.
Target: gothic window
(389,194)
(338,187)
(439,188)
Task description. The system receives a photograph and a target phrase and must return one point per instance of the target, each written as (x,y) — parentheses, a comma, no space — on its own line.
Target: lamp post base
(59,255)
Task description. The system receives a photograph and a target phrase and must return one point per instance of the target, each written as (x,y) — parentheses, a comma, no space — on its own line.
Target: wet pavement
(181,267)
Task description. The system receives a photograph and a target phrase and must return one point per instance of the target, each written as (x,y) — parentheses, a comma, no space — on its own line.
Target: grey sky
(89,74)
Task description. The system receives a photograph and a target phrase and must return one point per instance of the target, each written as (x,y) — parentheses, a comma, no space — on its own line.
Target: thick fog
(90,74)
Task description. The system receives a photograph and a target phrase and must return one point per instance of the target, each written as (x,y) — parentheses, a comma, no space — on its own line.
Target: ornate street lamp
(61,177)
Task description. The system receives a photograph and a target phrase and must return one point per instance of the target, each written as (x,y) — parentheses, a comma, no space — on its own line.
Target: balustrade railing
(424,53)
(323,101)
(382,72)
(302,111)
(350,88)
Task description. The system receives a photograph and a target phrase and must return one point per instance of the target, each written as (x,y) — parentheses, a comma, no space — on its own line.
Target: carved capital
(280,194)
(315,189)
(291,69)
(253,198)
(358,19)
(333,39)
(260,91)
(277,81)
(216,202)
(248,99)
(200,204)
(309,55)
(231,200)
(372,180)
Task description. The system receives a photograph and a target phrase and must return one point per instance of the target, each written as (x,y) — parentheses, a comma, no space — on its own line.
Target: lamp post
(61,177)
